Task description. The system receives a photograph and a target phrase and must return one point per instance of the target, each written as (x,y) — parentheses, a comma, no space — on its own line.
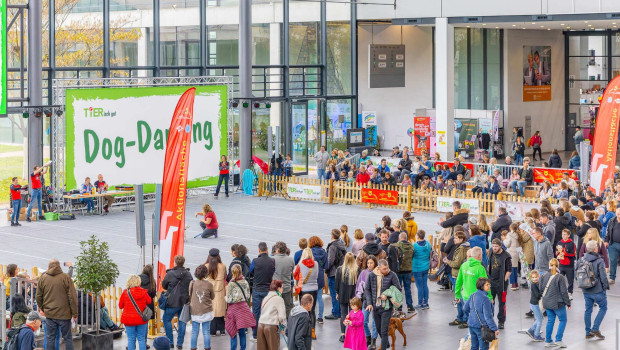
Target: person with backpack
(565,253)
(23,338)
(592,279)
(335,257)
(420,265)
(405,256)
(176,283)
(555,301)
(390,250)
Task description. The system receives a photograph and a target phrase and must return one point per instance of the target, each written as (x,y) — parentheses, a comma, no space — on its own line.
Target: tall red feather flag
(174,185)
(606,136)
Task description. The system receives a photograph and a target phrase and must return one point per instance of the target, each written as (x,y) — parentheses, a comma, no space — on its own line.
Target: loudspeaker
(139,206)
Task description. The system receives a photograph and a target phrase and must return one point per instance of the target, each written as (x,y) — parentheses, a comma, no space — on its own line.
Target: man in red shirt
(16,200)
(37,190)
(101,187)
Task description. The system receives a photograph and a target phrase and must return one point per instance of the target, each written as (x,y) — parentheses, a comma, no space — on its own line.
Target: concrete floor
(250,220)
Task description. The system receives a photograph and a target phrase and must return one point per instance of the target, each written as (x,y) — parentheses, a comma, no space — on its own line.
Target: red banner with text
(554,176)
(174,184)
(374,196)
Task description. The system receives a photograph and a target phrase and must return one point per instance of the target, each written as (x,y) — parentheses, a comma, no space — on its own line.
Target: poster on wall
(536,73)
(465,131)
(369,122)
(433,138)
(422,133)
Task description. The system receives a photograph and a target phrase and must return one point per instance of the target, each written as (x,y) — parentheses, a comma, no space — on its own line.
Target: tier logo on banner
(444,204)
(174,184)
(606,136)
(375,196)
(552,175)
(303,191)
(536,73)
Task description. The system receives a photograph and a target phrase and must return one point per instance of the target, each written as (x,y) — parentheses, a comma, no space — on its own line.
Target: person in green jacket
(404,275)
(465,286)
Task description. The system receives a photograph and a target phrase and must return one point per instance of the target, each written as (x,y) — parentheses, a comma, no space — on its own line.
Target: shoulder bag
(299,285)
(242,292)
(163,297)
(185,315)
(487,334)
(146,314)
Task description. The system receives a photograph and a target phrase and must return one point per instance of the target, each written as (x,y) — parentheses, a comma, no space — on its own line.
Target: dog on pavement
(396,324)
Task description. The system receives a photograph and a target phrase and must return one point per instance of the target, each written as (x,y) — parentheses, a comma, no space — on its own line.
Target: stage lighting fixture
(245,104)
(256,105)
(47,112)
(235,104)
(37,113)
(25,114)
(59,112)
(268,105)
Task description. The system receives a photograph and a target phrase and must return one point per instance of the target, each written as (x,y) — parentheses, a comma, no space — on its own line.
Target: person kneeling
(209,225)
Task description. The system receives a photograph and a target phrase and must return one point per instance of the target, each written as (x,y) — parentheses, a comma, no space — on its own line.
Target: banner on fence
(516,210)
(303,191)
(374,196)
(552,175)
(444,204)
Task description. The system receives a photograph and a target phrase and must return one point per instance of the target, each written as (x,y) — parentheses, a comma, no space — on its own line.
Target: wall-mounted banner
(444,204)
(303,191)
(374,196)
(422,134)
(369,122)
(3,57)
(536,73)
(122,132)
(552,175)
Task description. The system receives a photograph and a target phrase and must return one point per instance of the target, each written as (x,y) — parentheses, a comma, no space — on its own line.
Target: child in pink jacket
(355,337)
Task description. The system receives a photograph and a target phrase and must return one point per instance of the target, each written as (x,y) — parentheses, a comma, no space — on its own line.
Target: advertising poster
(122,134)
(303,191)
(444,204)
(375,196)
(465,131)
(516,210)
(486,125)
(554,176)
(433,138)
(369,122)
(441,137)
(422,133)
(536,73)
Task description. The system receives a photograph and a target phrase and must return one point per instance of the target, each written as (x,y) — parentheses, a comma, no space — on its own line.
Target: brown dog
(396,323)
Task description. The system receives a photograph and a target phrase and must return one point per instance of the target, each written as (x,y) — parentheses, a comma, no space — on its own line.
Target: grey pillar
(354,101)
(245,83)
(35,84)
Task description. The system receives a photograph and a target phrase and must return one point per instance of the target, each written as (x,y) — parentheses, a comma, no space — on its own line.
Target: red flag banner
(174,185)
(374,196)
(554,176)
(606,136)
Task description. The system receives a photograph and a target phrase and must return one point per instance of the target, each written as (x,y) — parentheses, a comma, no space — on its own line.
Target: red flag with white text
(174,184)
(606,136)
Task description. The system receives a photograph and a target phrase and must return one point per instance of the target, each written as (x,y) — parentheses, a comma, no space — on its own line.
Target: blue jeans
(320,173)
(206,335)
(169,314)
(514,275)
(105,321)
(421,283)
(320,302)
(331,283)
(90,204)
(614,253)
(405,282)
(476,339)
(223,177)
(460,314)
(233,340)
(56,327)
(538,318)
(601,300)
(518,159)
(257,300)
(518,187)
(137,333)
(551,314)
(17,207)
(35,196)
(56,341)
(367,318)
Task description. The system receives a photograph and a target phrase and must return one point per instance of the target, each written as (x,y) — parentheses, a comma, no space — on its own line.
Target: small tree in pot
(95,271)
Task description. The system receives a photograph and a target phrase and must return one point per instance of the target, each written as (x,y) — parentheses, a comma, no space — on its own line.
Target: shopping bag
(465,343)
(494,345)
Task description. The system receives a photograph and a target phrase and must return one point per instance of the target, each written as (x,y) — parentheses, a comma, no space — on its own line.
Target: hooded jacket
(335,256)
(469,272)
(512,243)
(460,217)
(412,228)
(598,268)
(543,253)
(480,241)
(373,248)
(299,329)
(245,267)
(458,258)
(501,223)
(555,161)
(320,256)
(177,295)
(480,309)
(56,295)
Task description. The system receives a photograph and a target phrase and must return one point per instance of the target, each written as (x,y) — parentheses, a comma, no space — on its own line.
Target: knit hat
(34,316)
(573,201)
(370,237)
(214,252)
(161,343)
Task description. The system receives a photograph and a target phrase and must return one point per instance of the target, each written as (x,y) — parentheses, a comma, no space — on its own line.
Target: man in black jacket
(612,242)
(376,285)
(335,257)
(457,169)
(502,223)
(500,267)
(390,251)
(459,217)
(261,269)
(176,283)
(299,329)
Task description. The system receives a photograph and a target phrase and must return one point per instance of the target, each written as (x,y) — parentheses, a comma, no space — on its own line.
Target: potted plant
(95,271)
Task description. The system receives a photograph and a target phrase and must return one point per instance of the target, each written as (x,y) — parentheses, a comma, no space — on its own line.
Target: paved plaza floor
(250,220)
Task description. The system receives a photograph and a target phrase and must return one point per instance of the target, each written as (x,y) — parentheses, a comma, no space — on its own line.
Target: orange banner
(552,175)
(174,184)
(606,136)
(375,196)
(537,93)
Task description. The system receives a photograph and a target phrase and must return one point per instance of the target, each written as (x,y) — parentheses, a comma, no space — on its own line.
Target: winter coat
(460,217)
(512,243)
(480,241)
(574,163)
(355,337)
(131,316)
(201,296)
(412,229)
(469,272)
(421,255)
(478,302)
(371,294)
(304,275)
(273,311)
(598,268)
(219,288)
(555,161)
(320,256)
(501,223)
(543,253)
(458,258)
(145,282)
(56,295)
(299,329)
(344,290)
(373,248)
(527,244)
(176,282)
(557,293)
(335,256)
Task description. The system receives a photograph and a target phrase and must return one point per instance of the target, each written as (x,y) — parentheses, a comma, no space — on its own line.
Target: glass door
(299,135)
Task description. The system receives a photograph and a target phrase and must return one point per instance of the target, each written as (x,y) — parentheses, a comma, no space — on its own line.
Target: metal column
(286,58)
(35,84)
(354,101)
(245,83)
(106,38)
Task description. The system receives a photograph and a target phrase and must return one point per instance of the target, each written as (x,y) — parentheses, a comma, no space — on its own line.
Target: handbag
(299,285)
(163,297)
(242,292)
(146,314)
(487,334)
(186,315)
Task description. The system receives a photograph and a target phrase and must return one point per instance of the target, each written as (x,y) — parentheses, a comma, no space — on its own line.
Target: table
(71,197)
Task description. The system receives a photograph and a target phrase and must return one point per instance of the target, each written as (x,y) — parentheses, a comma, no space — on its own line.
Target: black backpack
(585,275)
(12,338)
(399,257)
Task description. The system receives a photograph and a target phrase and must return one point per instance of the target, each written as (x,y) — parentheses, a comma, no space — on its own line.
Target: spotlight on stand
(47,112)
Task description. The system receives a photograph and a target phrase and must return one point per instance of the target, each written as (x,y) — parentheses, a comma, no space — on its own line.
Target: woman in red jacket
(132,316)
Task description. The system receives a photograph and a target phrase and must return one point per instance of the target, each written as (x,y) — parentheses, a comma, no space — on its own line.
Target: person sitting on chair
(102,187)
(87,188)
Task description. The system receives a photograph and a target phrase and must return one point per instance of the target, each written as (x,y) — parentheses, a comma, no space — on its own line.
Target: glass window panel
(338,58)
(588,68)
(79,33)
(477,69)
(615,44)
(586,45)
(131,33)
(304,27)
(460,68)
(338,122)
(180,32)
(493,69)
(615,63)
